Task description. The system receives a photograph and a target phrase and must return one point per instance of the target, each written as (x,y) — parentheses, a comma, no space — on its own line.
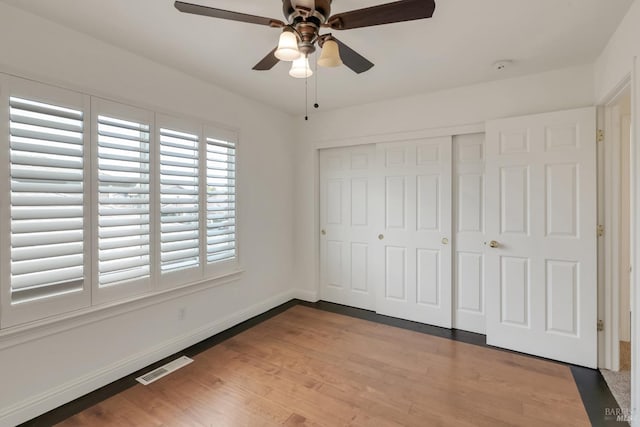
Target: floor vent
(162,371)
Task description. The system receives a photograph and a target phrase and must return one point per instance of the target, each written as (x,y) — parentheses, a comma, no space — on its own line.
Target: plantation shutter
(47,203)
(123,201)
(179,200)
(221,200)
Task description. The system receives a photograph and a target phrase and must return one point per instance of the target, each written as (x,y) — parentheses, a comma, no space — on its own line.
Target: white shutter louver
(179,200)
(221,200)
(47,213)
(123,205)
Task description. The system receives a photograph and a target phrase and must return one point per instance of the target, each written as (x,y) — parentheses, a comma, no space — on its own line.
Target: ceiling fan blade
(197,9)
(268,62)
(399,11)
(353,59)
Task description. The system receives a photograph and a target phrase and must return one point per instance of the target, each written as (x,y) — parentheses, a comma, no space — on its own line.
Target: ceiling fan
(301,32)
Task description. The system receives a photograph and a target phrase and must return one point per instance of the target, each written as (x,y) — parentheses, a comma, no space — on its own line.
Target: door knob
(380,236)
(493,244)
(445,241)
(323,232)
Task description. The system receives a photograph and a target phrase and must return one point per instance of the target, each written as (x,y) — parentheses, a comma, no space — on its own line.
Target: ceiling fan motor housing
(307,21)
(294,10)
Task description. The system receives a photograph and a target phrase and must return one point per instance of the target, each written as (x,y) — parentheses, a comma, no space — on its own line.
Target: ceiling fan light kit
(300,68)
(330,56)
(288,46)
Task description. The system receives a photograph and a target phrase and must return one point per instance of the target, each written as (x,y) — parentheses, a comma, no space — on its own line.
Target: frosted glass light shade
(287,47)
(330,56)
(300,68)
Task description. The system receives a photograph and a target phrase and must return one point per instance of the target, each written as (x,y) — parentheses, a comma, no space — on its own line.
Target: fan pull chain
(306,98)
(316,105)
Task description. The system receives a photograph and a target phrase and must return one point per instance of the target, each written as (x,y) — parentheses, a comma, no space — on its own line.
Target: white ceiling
(454,48)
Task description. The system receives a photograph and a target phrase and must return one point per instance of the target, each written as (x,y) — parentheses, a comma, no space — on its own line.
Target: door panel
(469,226)
(541,277)
(514,200)
(412,262)
(514,286)
(561,199)
(395,201)
(562,293)
(428,198)
(470,282)
(428,279)
(345,218)
(359,201)
(396,273)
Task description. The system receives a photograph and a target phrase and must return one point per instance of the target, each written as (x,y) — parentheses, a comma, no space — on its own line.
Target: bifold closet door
(412,256)
(541,229)
(346,225)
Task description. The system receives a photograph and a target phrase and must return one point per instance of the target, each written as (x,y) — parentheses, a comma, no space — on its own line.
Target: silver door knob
(445,241)
(493,244)
(380,236)
(323,232)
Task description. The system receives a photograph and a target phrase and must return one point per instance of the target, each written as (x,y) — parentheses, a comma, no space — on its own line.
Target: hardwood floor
(625,356)
(307,367)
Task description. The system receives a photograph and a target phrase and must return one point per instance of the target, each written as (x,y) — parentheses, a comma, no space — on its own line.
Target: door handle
(323,232)
(493,244)
(380,236)
(445,241)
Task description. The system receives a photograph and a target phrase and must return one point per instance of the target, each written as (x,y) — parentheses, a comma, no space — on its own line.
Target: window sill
(16,335)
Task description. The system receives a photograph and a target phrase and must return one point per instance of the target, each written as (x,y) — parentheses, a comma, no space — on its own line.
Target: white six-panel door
(412,259)
(346,220)
(541,213)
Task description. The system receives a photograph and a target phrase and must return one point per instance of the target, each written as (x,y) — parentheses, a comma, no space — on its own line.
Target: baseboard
(306,295)
(57,396)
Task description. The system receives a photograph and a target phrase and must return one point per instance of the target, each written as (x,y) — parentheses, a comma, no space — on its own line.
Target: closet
(493,233)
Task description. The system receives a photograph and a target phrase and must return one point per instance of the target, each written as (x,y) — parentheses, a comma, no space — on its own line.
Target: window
(123,200)
(85,207)
(221,200)
(122,137)
(47,174)
(179,200)
(45,269)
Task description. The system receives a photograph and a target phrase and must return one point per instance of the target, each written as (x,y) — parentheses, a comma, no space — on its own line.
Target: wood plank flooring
(307,367)
(625,355)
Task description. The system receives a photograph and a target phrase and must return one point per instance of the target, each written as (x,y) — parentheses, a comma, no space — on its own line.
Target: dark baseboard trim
(600,404)
(596,396)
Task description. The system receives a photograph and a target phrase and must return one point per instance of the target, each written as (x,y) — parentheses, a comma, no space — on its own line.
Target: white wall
(616,61)
(556,90)
(40,373)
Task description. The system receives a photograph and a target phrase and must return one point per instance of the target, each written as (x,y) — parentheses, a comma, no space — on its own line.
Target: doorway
(618,248)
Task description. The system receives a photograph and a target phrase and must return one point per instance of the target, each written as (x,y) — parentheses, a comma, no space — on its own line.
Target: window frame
(28,311)
(102,107)
(183,276)
(233,264)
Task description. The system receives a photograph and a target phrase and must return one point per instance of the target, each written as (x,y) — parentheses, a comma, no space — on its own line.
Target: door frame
(609,157)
